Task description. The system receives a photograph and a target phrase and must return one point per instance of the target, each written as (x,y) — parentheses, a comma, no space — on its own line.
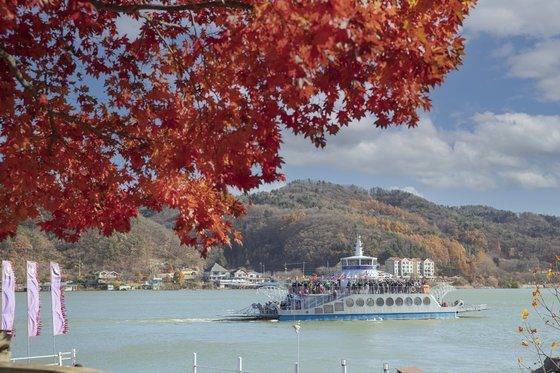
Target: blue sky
(493,134)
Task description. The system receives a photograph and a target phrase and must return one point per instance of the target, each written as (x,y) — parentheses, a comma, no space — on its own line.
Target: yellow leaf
(554,345)
(537,292)
(558,258)
(535,303)
(519,360)
(524,314)
(524,343)
(421,35)
(537,340)
(520,329)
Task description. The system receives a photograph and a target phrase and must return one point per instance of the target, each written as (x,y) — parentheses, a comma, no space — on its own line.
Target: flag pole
(53,319)
(28,338)
(54,335)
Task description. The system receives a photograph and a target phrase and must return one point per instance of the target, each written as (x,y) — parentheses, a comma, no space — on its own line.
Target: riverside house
(105,279)
(217,273)
(239,278)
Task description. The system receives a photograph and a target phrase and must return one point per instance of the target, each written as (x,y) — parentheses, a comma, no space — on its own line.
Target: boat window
(408,301)
(417,301)
(328,308)
(353,262)
(427,301)
(318,311)
(339,307)
(359,302)
(349,302)
(374,261)
(390,301)
(399,301)
(370,302)
(344,262)
(380,302)
(366,262)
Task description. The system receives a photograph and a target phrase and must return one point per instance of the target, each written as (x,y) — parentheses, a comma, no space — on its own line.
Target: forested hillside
(144,249)
(316,223)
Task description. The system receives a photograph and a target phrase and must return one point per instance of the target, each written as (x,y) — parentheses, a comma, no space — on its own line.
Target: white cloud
(535,21)
(503,18)
(269,187)
(262,188)
(542,63)
(408,189)
(530,179)
(507,150)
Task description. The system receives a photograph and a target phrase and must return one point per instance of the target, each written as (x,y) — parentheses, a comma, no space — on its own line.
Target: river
(158,331)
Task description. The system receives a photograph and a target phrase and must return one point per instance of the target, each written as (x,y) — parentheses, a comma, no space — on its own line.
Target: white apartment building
(405,267)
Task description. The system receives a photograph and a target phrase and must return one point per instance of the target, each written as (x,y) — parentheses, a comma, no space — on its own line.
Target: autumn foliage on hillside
(96,122)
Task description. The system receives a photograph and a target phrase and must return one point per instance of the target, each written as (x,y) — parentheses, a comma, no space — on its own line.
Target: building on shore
(239,278)
(410,268)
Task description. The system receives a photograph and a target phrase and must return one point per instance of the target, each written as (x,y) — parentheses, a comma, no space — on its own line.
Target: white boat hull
(367,307)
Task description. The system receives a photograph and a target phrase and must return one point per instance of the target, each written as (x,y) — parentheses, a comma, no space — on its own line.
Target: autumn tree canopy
(96,122)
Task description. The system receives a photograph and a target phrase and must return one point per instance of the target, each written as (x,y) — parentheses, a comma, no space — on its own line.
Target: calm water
(157,331)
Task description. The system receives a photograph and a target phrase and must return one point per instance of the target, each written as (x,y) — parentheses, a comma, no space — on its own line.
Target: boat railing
(382,289)
(317,300)
(297,303)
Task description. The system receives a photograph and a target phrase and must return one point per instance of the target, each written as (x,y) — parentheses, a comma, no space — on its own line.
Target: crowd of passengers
(359,286)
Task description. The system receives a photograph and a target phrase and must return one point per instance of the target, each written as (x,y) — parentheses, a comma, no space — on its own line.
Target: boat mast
(359,249)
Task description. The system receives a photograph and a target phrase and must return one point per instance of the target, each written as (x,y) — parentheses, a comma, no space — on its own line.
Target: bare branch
(170,8)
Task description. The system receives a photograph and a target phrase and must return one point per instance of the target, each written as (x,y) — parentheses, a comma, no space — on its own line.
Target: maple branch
(170,8)
(180,66)
(194,87)
(85,125)
(90,128)
(55,134)
(165,43)
(12,65)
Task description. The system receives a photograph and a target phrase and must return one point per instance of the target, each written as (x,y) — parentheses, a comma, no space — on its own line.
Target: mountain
(149,247)
(317,223)
(308,226)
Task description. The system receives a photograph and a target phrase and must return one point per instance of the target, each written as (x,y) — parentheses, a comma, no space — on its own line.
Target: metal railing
(343,365)
(56,359)
(239,369)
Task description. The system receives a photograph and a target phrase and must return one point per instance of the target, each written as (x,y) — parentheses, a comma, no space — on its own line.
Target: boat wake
(189,320)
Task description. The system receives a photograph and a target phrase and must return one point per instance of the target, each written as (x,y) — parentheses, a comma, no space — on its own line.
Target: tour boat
(358,291)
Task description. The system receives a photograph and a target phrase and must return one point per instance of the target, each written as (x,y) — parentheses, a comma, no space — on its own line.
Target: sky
(492,136)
